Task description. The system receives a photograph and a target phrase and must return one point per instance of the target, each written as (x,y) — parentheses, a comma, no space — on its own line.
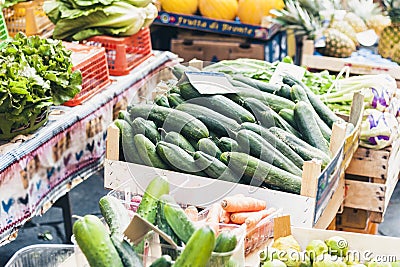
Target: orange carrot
(250,217)
(214,216)
(192,213)
(242,204)
(225,216)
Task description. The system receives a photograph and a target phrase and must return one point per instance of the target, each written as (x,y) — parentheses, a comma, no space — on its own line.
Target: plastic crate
(3,30)
(92,63)
(41,255)
(124,53)
(29,18)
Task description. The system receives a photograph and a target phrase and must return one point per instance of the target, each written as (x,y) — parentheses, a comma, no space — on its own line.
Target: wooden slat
(309,183)
(112,142)
(369,163)
(282,227)
(364,195)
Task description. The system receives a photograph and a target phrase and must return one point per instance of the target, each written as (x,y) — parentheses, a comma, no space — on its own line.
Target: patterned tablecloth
(38,169)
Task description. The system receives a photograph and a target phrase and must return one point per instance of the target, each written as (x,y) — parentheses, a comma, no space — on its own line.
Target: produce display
(80,20)
(10,3)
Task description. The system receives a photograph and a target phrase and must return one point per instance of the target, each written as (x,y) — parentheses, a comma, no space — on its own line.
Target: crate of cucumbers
(269,141)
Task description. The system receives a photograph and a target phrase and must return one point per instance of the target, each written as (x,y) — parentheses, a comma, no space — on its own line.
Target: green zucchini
(148,206)
(253,144)
(275,142)
(288,116)
(260,172)
(198,249)
(175,99)
(171,120)
(178,139)
(114,213)
(126,252)
(227,144)
(262,86)
(163,261)
(127,147)
(162,100)
(147,128)
(147,152)
(221,125)
(298,94)
(307,124)
(95,242)
(302,148)
(124,115)
(207,146)
(177,219)
(214,168)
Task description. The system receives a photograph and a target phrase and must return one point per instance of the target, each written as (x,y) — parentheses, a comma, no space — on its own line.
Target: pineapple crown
(393,7)
(364,8)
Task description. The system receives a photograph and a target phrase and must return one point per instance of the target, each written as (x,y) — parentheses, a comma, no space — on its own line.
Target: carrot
(250,217)
(242,204)
(214,216)
(192,213)
(225,216)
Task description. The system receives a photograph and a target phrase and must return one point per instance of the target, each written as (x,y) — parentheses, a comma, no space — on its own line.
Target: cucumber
(288,116)
(198,249)
(258,147)
(173,89)
(128,256)
(262,86)
(178,139)
(214,168)
(189,92)
(176,157)
(171,120)
(284,91)
(225,242)
(163,261)
(177,219)
(307,124)
(127,147)
(147,152)
(162,100)
(95,243)
(175,99)
(148,206)
(221,125)
(124,115)
(260,172)
(275,142)
(298,94)
(178,70)
(227,144)
(114,213)
(302,148)
(267,117)
(324,112)
(147,128)
(207,146)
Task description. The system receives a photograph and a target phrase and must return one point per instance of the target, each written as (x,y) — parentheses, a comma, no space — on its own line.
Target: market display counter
(38,169)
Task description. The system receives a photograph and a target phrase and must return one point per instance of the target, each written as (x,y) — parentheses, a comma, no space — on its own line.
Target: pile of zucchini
(260,135)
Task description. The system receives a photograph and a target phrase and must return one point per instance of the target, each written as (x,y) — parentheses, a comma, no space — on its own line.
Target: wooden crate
(356,221)
(371,178)
(337,64)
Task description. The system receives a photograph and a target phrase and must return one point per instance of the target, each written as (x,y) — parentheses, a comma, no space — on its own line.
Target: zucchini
(176,157)
(126,252)
(177,219)
(114,213)
(124,115)
(162,100)
(177,139)
(147,152)
(259,85)
(324,112)
(288,116)
(175,99)
(260,172)
(219,124)
(302,148)
(171,120)
(163,261)
(227,144)
(148,206)
(307,124)
(298,94)
(147,128)
(207,146)
(127,147)
(214,168)
(252,142)
(95,242)
(198,249)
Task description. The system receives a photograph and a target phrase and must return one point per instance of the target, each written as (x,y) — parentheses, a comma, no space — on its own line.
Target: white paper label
(367,38)
(285,68)
(209,83)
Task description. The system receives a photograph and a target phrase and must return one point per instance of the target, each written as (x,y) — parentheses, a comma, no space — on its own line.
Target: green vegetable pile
(82,19)
(10,3)
(35,73)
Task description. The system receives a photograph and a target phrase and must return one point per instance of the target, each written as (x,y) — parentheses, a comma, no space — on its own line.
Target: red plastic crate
(124,53)
(92,63)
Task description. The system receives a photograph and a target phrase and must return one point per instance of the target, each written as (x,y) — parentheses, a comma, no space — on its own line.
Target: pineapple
(344,27)
(337,44)
(396,54)
(378,23)
(390,36)
(356,22)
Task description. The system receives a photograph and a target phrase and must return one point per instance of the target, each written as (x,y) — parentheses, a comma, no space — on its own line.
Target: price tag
(285,68)
(209,83)
(367,38)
